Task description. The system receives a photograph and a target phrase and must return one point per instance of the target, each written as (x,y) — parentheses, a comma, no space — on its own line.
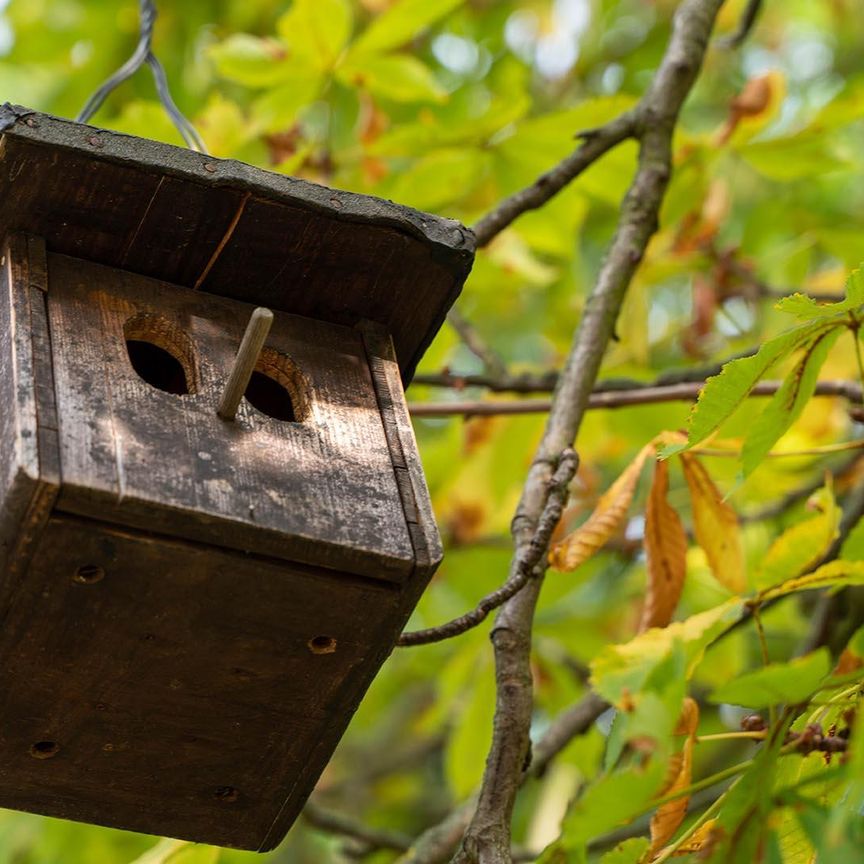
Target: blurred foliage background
(448,108)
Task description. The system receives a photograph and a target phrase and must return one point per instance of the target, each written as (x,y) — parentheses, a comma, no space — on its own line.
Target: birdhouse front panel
(303,473)
(195,599)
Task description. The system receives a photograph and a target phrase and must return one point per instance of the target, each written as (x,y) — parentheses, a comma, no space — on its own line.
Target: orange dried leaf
(688,722)
(604,522)
(702,840)
(666,551)
(716,526)
(757,101)
(668,818)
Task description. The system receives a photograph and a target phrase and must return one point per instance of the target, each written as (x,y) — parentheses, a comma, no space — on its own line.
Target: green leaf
(622,670)
(788,402)
(744,816)
(277,109)
(439,179)
(723,393)
(398,77)
(809,309)
(252,61)
(628,852)
(612,801)
(856,643)
(317,30)
(848,814)
(797,157)
(168,851)
(800,547)
(468,743)
(787,683)
(401,23)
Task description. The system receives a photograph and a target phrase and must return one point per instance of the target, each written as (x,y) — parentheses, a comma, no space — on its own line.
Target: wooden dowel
(244,363)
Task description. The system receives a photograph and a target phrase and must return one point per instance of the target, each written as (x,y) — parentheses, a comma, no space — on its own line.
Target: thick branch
(525,569)
(488,837)
(851,390)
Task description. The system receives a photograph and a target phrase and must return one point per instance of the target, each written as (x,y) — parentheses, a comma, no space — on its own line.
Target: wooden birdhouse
(193,607)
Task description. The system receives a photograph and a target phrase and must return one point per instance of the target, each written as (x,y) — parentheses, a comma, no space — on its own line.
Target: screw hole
(89,574)
(322,645)
(44,749)
(226,793)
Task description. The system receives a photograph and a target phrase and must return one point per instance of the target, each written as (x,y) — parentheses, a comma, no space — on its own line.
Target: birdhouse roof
(230,229)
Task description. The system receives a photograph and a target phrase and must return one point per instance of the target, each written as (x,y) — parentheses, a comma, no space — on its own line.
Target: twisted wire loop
(142,54)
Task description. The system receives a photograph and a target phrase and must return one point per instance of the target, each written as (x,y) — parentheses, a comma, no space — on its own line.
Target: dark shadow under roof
(230,229)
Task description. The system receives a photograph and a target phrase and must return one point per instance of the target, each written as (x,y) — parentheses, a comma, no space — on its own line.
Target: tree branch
(850,390)
(748,19)
(487,839)
(493,365)
(525,569)
(369,838)
(595,143)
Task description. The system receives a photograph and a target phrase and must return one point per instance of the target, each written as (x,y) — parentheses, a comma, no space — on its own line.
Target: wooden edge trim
(407,468)
(27,262)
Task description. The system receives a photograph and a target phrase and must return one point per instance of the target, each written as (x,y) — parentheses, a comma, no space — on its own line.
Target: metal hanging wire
(144,54)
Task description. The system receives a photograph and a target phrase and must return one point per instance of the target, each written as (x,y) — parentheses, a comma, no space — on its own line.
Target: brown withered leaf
(668,818)
(755,99)
(666,551)
(716,526)
(604,522)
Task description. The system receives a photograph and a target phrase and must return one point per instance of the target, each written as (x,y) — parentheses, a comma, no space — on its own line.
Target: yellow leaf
(827,576)
(666,551)
(716,526)
(668,818)
(606,519)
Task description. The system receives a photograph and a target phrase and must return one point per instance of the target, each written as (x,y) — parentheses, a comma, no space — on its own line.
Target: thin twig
(569,724)
(595,143)
(653,121)
(525,569)
(689,392)
(493,365)
(748,19)
(370,838)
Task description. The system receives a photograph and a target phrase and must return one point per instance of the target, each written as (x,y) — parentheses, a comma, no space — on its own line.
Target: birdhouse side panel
(308,478)
(28,443)
(175,689)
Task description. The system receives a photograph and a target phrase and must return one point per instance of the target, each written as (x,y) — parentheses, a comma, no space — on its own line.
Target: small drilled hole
(44,749)
(322,645)
(226,793)
(89,574)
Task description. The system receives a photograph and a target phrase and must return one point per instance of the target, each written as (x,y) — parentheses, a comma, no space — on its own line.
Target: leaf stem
(855,335)
(725,736)
(766,658)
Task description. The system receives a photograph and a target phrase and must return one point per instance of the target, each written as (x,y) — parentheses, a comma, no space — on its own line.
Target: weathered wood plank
(321,491)
(181,687)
